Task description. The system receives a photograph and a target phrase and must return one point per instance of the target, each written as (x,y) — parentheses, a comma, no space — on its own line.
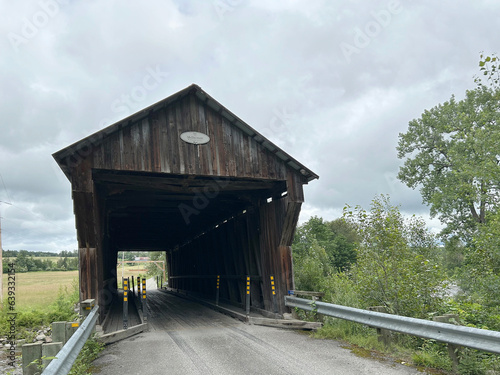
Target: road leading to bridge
(188,338)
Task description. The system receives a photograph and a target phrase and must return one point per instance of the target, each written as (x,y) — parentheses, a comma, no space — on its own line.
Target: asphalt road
(187,338)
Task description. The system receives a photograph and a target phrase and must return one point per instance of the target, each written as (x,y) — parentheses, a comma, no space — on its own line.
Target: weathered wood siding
(153,145)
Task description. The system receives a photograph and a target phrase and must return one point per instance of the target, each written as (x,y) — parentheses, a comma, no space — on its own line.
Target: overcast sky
(330,82)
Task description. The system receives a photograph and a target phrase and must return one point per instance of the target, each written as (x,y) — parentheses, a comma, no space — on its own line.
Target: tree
(153,269)
(337,238)
(451,152)
(490,67)
(311,268)
(397,265)
(481,274)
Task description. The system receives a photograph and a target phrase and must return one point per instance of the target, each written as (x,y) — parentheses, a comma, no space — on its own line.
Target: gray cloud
(280,66)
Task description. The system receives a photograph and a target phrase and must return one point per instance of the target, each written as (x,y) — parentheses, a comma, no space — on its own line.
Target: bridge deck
(114,320)
(188,338)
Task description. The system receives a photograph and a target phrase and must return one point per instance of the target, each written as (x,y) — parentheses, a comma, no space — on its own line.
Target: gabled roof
(95,138)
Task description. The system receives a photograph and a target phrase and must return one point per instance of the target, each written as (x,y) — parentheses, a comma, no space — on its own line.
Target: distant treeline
(64,253)
(32,261)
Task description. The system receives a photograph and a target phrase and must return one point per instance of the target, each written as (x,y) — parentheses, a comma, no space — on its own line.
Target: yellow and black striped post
(144,307)
(217,291)
(125,302)
(139,292)
(248,296)
(273,292)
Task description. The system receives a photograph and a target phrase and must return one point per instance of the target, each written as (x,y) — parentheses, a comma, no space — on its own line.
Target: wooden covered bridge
(188,177)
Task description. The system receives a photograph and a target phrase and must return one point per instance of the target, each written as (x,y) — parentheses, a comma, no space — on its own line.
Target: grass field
(37,290)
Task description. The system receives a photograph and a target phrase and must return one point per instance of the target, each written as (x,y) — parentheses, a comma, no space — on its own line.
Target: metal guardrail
(66,357)
(475,338)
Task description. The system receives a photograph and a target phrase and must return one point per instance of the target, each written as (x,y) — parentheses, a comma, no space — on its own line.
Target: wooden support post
(384,335)
(453,350)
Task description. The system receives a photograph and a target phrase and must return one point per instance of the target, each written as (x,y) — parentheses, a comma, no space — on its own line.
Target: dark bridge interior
(228,207)
(153,211)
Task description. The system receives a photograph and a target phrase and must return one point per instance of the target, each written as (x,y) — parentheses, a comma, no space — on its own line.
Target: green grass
(38,290)
(89,352)
(363,341)
(40,299)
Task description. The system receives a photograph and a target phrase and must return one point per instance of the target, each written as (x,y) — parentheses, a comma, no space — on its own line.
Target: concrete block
(59,332)
(70,328)
(32,354)
(86,306)
(49,351)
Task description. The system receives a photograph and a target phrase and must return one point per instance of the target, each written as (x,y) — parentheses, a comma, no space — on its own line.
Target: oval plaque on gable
(195,138)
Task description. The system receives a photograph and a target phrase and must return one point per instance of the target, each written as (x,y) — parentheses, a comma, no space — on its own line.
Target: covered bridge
(188,177)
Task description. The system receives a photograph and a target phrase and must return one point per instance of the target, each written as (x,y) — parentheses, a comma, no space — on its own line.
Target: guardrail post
(67,355)
(62,331)
(273,290)
(125,303)
(144,305)
(384,335)
(32,354)
(320,317)
(86,306)
(217,291)
(133,286)
(453,350)
(59,331)
(248,296)
(69,329)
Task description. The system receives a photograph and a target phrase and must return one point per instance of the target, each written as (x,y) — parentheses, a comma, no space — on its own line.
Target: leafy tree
(397,265)
(451,152)
(311,268)
(490,67)
(481,274)
(454,251)
(337,238)
(153,269)
(25,262)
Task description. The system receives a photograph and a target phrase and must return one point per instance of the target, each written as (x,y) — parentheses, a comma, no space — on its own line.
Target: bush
(88,354)
(29,321)
(397,265)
